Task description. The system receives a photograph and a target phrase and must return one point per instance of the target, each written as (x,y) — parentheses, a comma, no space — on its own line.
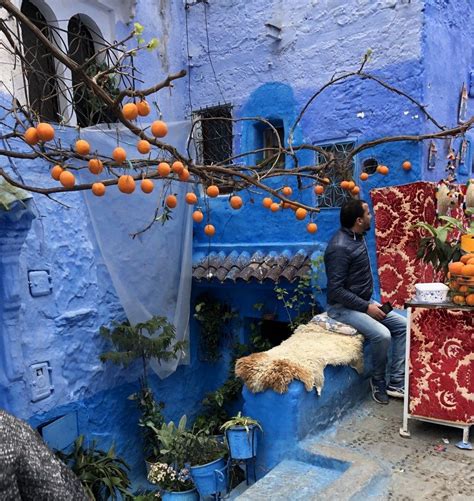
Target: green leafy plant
(214,318)
(154,338)
(102,473)
(180,445)
(150,420)
(242,421)
(441,244)
(300,303)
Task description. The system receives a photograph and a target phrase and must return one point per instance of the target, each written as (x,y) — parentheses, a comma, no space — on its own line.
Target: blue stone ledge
(288,418)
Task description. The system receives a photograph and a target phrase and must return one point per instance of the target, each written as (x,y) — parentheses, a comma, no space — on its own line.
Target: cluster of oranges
(461,280)
(300,212)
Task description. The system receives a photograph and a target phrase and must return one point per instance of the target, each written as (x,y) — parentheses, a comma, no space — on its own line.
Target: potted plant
(241,434)
(175,484)
(205,455)
(155,339)
(209,468)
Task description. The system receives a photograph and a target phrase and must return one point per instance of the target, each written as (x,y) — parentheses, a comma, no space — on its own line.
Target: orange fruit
(287,191)
(465,258)
(184,176)
(45,131)
(212,191)
(355,190)
(95,166)
(159,128)
(267,202)
(119,155)
(56,172)
(318,189)
(209,230)
(468,270)
(350,185)
(164,169)
(171,201)
(67,179)
(143,108)
(311,227)
(463,288)
(364,176)
(31,136)
(406,165)
(130,111)
(274,207)
(301,213)
(198,216)
(82,147)
(382,169)
(459,300)
(126,184)
(147,185)
(98,189)
(177,167)
(191,198)
(470,299)
(143,146)
(470,261)
(456,268)
(236,202)
(344,185)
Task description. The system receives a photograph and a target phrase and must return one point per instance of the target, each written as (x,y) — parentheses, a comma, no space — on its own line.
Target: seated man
(349,292)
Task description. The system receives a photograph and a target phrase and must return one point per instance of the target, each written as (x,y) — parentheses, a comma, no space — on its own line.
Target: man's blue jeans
(392,329)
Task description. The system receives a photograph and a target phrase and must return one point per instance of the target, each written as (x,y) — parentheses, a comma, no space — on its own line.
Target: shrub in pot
(241,433)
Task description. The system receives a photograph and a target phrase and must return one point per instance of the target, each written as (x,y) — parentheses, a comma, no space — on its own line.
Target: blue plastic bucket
(242,443)
(191,495)
(211,477)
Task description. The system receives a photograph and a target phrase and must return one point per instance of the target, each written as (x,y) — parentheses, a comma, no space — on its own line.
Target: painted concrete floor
(416,468)
(384,466)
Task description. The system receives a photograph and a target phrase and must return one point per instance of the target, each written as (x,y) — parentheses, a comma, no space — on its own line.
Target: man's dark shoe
(379,391)
(396,391)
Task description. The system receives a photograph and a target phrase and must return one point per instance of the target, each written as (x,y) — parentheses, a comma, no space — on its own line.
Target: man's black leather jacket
(348,271)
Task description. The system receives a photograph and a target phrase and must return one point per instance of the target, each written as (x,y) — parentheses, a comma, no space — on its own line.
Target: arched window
(82,47)
(40,71)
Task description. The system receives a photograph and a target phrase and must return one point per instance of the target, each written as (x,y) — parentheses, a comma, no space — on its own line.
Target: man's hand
(375,312)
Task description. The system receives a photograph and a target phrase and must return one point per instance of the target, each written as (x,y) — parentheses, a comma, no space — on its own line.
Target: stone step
(320,471)
(291,479)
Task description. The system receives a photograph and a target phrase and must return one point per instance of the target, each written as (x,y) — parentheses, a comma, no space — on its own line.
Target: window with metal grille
(89,109)
(39,70)
(337,171)
(271,141)
(213,134)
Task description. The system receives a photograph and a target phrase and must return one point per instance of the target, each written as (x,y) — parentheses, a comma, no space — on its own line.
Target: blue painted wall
(260,76)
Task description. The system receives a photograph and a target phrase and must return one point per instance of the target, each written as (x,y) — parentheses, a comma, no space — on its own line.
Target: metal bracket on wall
(195,2)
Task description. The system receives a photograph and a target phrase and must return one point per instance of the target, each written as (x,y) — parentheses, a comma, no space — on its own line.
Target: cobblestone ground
(419,466)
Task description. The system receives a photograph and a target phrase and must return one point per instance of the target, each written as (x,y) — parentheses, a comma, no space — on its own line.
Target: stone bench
(301,387)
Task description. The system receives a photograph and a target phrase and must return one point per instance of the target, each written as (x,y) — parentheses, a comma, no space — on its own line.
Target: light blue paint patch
(61,432)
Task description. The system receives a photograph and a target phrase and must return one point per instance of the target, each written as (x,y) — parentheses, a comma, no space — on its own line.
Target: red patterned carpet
(396,209)
(442,365)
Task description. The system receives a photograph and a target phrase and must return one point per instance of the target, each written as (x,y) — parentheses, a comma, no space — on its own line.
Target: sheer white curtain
(151,273)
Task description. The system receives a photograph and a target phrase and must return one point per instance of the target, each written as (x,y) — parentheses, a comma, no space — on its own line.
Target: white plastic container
(431,293)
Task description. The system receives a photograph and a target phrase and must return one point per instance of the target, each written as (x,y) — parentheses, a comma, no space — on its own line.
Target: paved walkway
(417,468)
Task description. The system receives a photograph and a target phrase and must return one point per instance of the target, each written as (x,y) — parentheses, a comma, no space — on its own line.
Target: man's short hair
(350,211)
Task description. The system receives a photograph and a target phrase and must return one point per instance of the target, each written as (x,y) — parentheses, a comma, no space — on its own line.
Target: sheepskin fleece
(303,357)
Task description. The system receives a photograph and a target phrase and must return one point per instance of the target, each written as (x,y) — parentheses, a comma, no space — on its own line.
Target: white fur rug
(303,357)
